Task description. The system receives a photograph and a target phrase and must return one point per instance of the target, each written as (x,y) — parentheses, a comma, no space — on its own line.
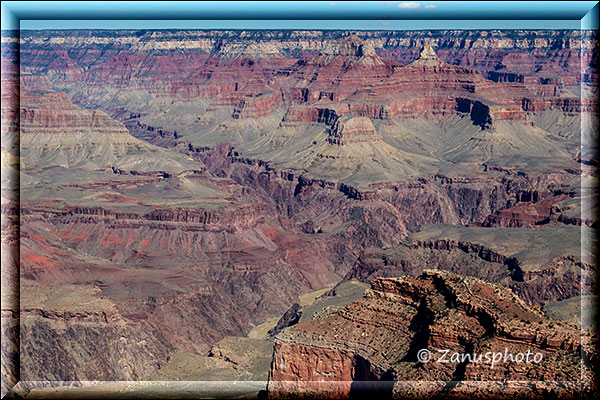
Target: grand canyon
(298,210)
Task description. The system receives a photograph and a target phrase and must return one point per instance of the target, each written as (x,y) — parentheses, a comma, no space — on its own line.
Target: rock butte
(378,337)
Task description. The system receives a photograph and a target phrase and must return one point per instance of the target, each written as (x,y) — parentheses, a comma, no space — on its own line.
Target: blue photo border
(13,12)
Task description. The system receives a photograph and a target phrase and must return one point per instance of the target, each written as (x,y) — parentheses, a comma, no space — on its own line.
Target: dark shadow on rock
(420,325)
(369,384)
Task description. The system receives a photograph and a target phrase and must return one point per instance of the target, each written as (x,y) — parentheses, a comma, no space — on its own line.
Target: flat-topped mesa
(350,52)
(325,115)
(350,46)
(348,129)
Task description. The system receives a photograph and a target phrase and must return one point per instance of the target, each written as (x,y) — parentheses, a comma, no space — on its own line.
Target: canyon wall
(378,337)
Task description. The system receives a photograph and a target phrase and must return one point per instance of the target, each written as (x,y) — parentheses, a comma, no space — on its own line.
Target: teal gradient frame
(13,12)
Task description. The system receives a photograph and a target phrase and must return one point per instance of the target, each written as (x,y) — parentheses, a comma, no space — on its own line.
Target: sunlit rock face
(379,339)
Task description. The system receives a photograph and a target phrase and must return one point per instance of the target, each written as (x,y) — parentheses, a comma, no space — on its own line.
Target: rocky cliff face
(378,337)
(55,132)
(493,256)
(353,130)
(112,223)
(274,95)
(482,49)
(113,348)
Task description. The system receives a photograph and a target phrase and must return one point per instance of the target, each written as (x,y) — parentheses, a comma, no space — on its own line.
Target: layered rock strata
(378,338)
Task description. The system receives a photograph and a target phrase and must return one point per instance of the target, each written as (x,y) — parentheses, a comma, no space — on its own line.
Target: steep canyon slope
(374,342)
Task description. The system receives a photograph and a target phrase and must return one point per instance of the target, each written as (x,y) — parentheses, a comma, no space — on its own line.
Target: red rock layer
(54,113)
(378,337)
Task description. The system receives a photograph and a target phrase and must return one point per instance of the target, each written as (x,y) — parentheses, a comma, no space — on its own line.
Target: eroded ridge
(378,338)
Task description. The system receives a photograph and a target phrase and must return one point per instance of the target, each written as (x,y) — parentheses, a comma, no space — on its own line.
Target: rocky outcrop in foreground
(378,338)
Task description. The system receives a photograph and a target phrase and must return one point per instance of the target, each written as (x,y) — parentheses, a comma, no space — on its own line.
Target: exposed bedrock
(364,71)
(236,259)
(559,278)
(289,318)
(311,114)
(177,286)
(157,136)
(234,219)
(257,106)
(342,148)
(436,199)
(377,337)
(353,130)
(88,347)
